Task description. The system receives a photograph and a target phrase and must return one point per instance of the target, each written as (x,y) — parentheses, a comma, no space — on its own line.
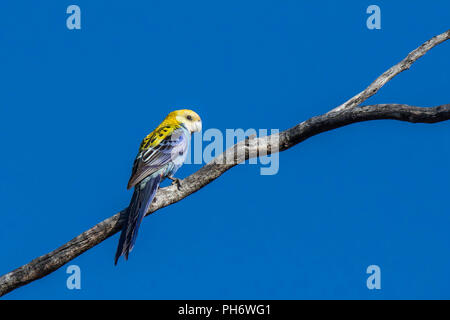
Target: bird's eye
(189,117)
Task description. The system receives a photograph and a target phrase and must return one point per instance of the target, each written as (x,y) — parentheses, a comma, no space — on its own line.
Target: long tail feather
(140,202)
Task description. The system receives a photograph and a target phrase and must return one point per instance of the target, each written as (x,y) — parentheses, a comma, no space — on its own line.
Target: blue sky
(75,105)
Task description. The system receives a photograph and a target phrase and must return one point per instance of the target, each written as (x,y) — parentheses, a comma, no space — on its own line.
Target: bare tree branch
(50,262)
(249,148)
(393,71)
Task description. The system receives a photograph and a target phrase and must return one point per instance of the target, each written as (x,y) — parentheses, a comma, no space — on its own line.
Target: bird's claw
(176,181)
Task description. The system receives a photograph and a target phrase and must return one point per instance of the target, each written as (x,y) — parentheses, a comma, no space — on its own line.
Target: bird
(160,155)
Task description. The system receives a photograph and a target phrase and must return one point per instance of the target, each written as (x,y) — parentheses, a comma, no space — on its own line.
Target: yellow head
(188,118)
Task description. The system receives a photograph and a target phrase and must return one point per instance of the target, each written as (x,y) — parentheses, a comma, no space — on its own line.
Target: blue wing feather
(140,202)
(168,151)
(149,169)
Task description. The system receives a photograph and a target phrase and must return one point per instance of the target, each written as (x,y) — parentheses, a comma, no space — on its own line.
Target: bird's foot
(176,181)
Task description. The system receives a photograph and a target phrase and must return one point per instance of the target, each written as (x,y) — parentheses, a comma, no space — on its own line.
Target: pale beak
(197,126)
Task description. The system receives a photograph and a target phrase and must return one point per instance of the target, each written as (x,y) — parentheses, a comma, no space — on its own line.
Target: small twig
(393,71)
